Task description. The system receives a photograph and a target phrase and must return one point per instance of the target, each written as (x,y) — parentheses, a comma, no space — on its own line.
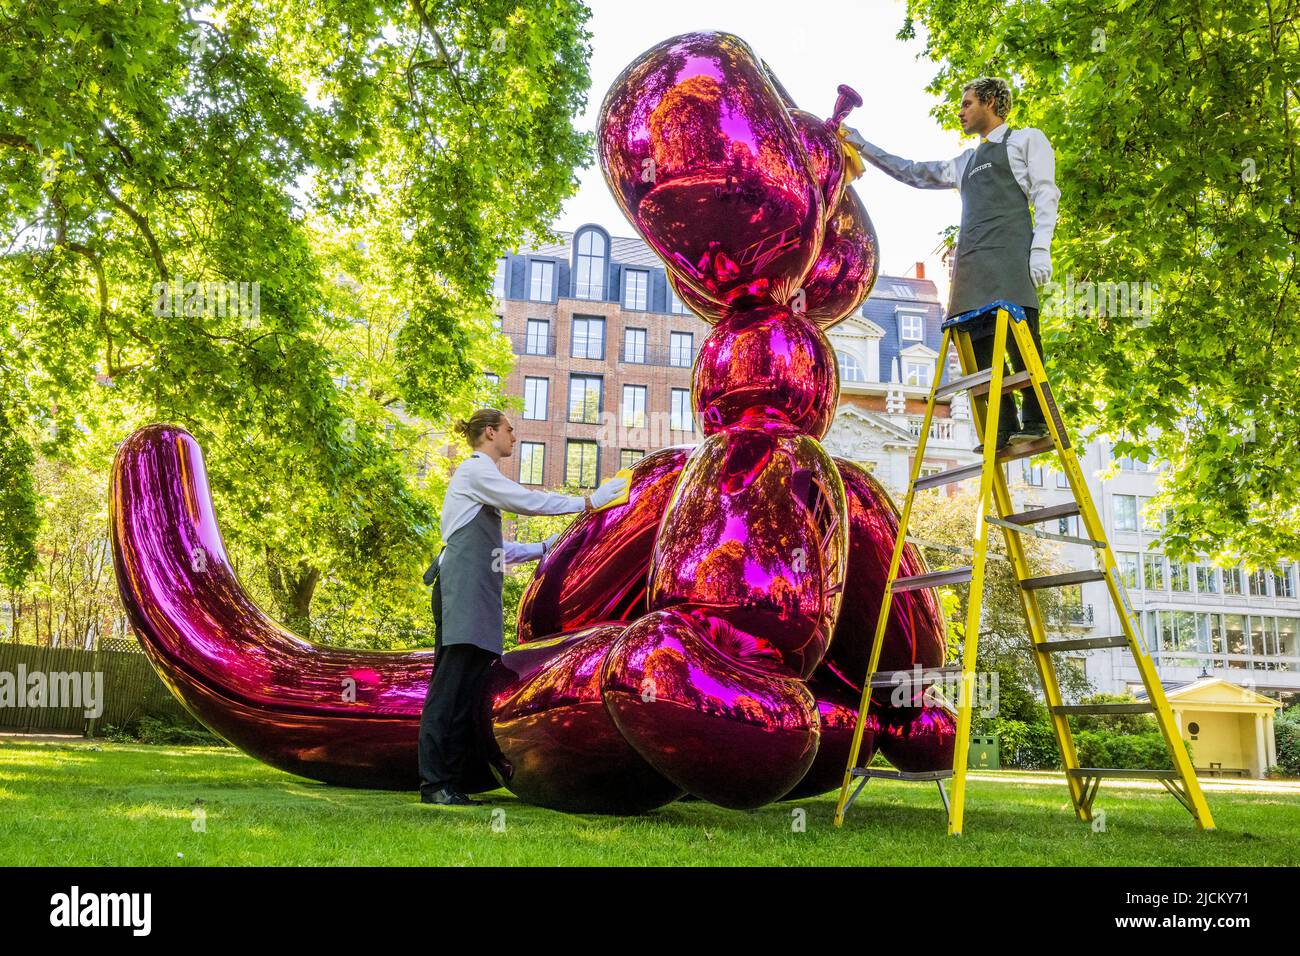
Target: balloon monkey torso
(707,637)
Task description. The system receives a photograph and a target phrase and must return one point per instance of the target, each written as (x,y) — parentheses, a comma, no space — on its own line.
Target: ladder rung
(1009,383)
(949,476)
(1115,772)
(1010,453)
(1044,514)
(926,775)
(1025,449)
(1061,580)
(1096,710)
(1040,533)
(928,675)
(932,579)
(966,381)
(1081,644)
(979,383)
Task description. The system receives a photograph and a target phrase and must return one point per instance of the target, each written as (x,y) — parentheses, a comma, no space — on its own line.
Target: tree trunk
(292,587)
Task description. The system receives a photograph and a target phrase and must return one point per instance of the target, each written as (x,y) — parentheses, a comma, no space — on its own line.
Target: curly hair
(992,90)
(472,428)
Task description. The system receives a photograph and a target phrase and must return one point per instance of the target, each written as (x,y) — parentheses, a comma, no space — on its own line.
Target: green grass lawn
(126,804)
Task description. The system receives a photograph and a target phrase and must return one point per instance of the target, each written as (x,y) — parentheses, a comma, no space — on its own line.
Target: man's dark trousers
(982,345)
(447,721)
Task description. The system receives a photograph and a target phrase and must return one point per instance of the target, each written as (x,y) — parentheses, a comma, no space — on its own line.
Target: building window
(1207,579)
(629,457)
(1153,572)
(1128,568)
(1126,518)
(1232,581)
(636,287)
(1062,480)
(585,398)
(538,339)
(681,349)
(532,461)
(1152,518)
(536,393)
(1179,578)
(1258,582)
(680,418)
(498,322)
(911,327)
(675,304)
(1033,473)
(850,368)
(634,345)
(634,402)
(917,373)
(581,466)
(1129,464)
(541,280)
(590,283)
(1234,632)
(588,337)
(1069,525)
(492,377)
(1287,638)
(499,283)
(1284,581)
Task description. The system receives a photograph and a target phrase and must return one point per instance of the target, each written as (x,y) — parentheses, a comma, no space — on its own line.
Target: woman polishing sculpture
(467,578)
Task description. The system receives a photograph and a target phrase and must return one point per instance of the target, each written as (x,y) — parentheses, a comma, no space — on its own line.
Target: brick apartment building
(604,351)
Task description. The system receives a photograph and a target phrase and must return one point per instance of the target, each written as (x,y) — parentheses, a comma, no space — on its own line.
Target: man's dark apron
(470,578)
(992,260)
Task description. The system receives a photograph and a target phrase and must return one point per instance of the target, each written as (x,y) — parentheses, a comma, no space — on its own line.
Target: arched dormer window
(850,368)
(591,264)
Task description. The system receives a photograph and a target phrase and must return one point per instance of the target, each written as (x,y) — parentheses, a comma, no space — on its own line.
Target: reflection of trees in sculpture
(685,127)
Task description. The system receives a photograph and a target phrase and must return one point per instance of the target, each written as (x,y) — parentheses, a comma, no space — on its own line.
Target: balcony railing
(522,343)
(657,355)
(525,343)
(941,429)
(1080,615)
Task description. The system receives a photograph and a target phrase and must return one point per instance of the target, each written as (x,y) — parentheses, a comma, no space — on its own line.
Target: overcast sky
(812,46)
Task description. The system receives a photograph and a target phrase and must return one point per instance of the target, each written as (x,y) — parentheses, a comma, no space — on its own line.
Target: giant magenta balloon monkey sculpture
(710,635)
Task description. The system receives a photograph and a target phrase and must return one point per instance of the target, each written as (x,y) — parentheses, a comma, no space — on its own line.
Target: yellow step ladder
(995,509)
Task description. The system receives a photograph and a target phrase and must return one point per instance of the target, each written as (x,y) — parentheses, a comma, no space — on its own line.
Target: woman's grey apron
(471,576)
(992,260)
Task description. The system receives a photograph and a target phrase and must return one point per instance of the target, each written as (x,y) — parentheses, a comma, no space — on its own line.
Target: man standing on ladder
(1001,254)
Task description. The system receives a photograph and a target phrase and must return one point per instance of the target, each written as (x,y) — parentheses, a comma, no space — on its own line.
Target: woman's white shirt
(477,481)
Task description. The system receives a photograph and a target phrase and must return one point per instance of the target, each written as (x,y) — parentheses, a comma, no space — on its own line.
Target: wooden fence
(130,689)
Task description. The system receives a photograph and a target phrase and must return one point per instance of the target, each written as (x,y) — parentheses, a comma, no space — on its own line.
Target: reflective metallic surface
(338,715)
(596,570)
(723,731)
(846,268)
(554,742)
(837,711)
(915,633)
(754,546)
(916,739)
(766,363)
(702,157)
(825,154)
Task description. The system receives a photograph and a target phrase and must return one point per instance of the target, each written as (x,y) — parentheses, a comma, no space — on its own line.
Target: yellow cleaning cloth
(853,162)
(627,490)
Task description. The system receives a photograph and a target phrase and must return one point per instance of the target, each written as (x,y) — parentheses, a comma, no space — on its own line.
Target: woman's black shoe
(448,797)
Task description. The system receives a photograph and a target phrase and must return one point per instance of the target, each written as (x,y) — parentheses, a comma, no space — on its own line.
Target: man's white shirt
(1029,154)
(477,481)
